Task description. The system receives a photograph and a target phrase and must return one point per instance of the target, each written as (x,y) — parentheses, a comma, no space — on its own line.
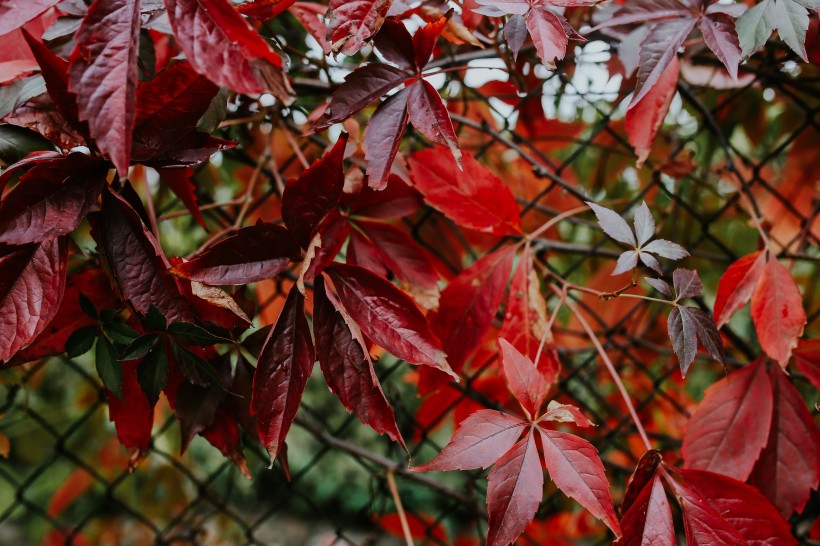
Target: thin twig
(394,491)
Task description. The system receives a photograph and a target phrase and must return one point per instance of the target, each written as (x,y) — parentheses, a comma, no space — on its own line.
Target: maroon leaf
(133,415)
(737,285)
(383,136)
(328,240)
(424,40)
(525,382)
(15,14)
(466,309)
(136,261)
(264,10)
(789,466)
(641,477)
(658,50)
(807,358)
(718,30)
(515,33)
(317,191)
(103,75)
(387,316)
(352,23)
(480,440)
(347,367)
(430,117)
(32,282)
(179,180)
(687,284)
(574,466)
(312,17)
(648,521)
(34,158)
(51,199)
(731,424)
(396,45)
(514,490)
(688,324)
(253,254)
(777,312)
(281,374)
(473,197)
(740,505)
(397,200)
(221,45)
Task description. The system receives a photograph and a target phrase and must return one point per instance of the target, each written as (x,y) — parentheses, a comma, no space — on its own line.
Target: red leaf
(317,191)
(312,17)
(347,367)
(648,521)
(328,240)
(739,505)
(642,475)
(394,249)
(383,136)
(658,50)
(480,440)
(425,38)
(525,319)
(396,45)
(807,358)
(645,117)
(136,260)
(466,310)
(514,490)
(223,434)
(179,180)
(14,14)
(282,373)
(34,158)
(730,426)
(354,22)
(574,466)
(264,10)
(133,415)
(103,75)
(32,282)
(547,34)
(777,312)
(525,382)
(253,254)
(737,285)
(473,197)
(221,45)
(430,117)
(397,200)
(387,316)
(719,32)
(51,199)
(789,466)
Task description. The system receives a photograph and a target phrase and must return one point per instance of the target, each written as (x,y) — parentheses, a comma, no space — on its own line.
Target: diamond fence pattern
(66,482)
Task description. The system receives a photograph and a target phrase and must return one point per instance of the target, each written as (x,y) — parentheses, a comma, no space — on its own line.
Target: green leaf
(155,320)
(119,331)
(108,367)
(195,368)
(792,21)
(188,332)
(80,341)
(140,347)
(88,307)
(17,142)
(152,373)
(755,26)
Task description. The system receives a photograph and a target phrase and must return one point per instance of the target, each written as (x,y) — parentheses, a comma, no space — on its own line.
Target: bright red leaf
(737,285)
(777,312)
(352,23)
(645,118)
(525,381)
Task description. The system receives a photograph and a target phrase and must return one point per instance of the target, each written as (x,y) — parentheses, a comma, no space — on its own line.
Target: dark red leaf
(658,50)
(51,199)
(777,312)
(731,424)
(353,22)
(317,191)
(136,261)
(347,367)
(514,491)
(807,358)
(387,316)
(15,14)
(480,440)
(253,254)
(383,136)
(223,434)
(34,158)
(312,17)
(396,45)
(133,415)
(687,325)
(264,10)
(736,504)
(574,466)
(645,117)
(425,38)
(196,408)
(473,197)
(525,382)
(648,521)
(179,180)
(719,32)
(466,309)
(32,282)
(429,116)
(737,285)
(103,75)
(641,477)
(221,45)
(397,200)
(789,466)
(281,374)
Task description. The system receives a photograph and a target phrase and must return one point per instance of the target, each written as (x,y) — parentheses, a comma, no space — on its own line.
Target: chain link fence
(557,139)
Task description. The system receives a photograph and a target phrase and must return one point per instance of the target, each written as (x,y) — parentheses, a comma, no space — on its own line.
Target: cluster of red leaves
(166,327)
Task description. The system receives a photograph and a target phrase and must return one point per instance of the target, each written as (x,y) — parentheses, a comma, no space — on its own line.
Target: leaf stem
(394,491)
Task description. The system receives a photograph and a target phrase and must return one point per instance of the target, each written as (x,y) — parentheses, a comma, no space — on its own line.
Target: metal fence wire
(66,479)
